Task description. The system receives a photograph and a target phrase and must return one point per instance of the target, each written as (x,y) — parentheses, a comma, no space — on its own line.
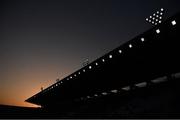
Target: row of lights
(120,51)
(126,88)
(103,60)
(110,56)
(143,84)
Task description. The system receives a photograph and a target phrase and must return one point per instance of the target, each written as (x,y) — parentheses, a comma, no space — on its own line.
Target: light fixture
(95,95)
(103,60)
(142,84)
(79,73)
(126,88)
(96,63)
(114,91)
(67,78)
(173,22)
(90,67)
(84,70)
(130,46)
(104,93)
(159,80)
(155,17)
(71,77)
(157,31)
(142,39)
(120,51)
(110,56)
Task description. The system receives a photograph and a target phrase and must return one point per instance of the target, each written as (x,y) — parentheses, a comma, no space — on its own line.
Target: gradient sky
(41,40)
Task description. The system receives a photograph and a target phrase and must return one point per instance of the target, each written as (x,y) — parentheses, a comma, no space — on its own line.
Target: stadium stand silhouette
(138,79)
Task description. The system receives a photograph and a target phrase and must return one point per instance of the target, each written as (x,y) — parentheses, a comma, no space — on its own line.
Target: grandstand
(132,74)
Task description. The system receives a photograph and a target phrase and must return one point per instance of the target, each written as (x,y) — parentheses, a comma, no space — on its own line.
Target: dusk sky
(41,40)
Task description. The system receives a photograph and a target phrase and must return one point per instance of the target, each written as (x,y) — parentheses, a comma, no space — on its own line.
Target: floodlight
(157,31)
(110,56)
(142,39)
(90,67)
(173,22)
(155,17)
(130,46)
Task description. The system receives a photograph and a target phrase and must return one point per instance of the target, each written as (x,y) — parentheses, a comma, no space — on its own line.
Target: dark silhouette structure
(140,76)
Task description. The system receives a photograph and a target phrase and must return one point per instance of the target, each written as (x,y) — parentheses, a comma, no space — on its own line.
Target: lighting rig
(156,18)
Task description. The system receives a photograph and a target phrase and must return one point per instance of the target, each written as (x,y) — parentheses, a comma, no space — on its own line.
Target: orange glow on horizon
(26,85)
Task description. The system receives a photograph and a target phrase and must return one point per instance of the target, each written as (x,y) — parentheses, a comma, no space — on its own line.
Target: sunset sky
(41,40)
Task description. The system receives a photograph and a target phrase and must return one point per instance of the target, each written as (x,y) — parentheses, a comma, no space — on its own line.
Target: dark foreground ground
(160,100)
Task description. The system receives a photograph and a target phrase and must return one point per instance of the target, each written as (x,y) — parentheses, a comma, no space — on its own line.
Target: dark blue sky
(43,39)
